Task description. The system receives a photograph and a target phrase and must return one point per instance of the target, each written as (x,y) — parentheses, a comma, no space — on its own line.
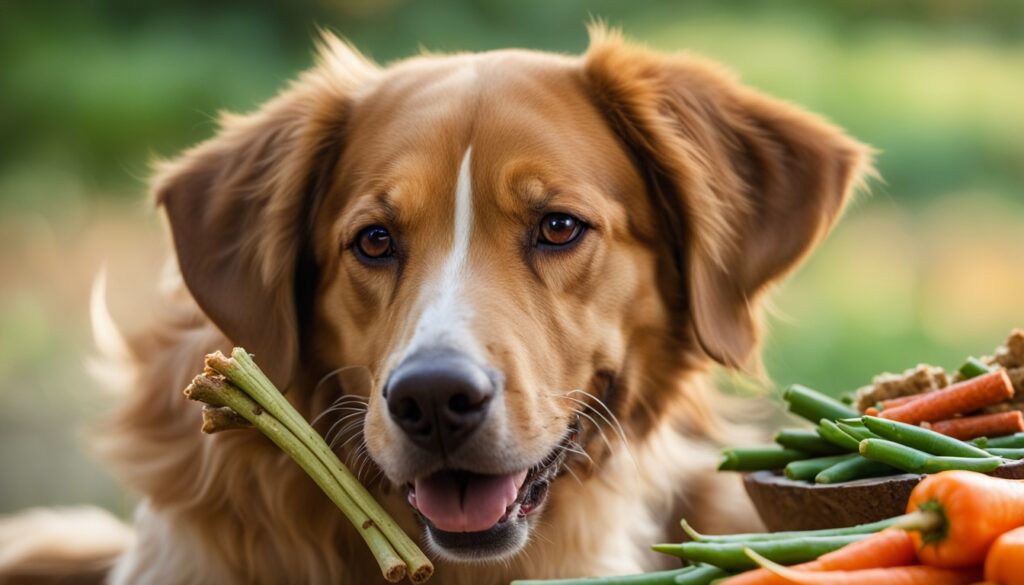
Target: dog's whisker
(356,435)
(379,475)
(353,427)
(358,454)
(579,450)
(596,425)
(356,425)
(327,435)
(343,400)
(600,430)
(573,474)
(614,421)
(337,371)
(366,459)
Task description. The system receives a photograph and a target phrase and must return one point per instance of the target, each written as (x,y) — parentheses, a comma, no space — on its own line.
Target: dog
(498,283)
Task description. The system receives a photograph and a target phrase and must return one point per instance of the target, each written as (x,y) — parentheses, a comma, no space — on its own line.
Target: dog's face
(488,256)
(519,247)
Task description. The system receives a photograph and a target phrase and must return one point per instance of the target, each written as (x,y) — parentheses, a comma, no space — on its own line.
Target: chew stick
(217,392)
(243,372)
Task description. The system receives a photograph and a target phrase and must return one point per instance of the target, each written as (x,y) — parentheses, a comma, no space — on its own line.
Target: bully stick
(236,383)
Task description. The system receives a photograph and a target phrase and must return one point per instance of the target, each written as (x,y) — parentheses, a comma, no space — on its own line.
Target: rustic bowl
(798,505)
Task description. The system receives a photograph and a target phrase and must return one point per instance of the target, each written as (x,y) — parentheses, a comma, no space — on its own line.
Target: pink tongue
(461,503)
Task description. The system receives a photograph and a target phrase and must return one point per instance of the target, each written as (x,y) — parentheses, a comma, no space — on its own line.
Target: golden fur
(701,192)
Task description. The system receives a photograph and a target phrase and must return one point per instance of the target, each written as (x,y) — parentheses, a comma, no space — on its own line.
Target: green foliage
(93,89)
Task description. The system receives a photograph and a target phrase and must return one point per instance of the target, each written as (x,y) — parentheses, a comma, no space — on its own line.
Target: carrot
(871,411)
(959,514)
(982,425)
(894,402)
(1005,561)
(889,548)
(959,398)
(913,575)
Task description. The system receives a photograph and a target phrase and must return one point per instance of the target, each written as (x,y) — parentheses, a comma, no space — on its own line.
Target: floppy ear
(239,204)
(747,184)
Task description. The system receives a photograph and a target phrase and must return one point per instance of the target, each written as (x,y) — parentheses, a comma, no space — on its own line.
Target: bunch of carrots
(959,526)
(941,410)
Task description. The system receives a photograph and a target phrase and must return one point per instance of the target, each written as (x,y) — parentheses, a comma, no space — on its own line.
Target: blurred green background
(929,268)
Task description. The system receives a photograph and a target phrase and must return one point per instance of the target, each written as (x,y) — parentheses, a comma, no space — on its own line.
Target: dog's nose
(439,399)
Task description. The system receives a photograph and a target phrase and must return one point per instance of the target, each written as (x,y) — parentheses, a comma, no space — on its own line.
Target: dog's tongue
(466,502)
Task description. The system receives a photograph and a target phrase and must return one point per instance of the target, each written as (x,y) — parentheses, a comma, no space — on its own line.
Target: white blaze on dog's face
(518,245)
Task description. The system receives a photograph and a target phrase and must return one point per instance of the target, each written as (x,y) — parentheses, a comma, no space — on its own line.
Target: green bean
(703,575)
(916,461)
(856,468)
(814,406)
(920,438)
(857,431)
(869,528)
(807,441)
(758,458)
(809,468)
(656,578)
(730,555)
(833,434)
(1006,453)
(1014,441)
(973,368)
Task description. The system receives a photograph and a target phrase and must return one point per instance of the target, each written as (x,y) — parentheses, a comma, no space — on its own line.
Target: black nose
(439,399)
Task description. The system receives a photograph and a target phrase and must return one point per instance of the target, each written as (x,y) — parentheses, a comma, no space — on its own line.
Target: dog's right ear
(239,205)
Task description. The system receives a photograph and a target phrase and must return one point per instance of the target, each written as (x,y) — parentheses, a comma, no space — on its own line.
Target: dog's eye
(375,242)
(559,229)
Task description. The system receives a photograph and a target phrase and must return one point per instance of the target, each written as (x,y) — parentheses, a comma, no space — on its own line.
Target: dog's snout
(439,399)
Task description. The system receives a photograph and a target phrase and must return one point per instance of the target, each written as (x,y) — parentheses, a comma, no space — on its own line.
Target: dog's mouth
(467,510)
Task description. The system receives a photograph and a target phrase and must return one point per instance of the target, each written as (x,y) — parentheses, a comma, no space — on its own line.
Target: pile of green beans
(846,446)
(730,555)
(786,548)
(713,557)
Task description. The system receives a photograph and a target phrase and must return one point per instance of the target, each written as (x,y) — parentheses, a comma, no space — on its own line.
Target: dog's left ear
(746,184)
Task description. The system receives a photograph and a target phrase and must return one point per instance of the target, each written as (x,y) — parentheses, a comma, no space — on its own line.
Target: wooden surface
(798,505)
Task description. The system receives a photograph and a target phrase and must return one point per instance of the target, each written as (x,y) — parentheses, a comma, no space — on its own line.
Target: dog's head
(519,246)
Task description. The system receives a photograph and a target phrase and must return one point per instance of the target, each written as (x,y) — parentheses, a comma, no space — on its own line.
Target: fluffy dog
(497,281)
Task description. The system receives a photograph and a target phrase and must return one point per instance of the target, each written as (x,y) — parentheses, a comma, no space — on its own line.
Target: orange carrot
(965,396)
(961,514)
(871,411)
(889,548)
(1005,561)
(982,425)
(894,402)
(915,575)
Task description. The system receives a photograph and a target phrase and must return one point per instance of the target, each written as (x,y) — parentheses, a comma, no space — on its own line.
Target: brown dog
(509,271)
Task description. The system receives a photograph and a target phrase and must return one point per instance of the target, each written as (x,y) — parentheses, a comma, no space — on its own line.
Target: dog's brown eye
(559,229)
(375,242)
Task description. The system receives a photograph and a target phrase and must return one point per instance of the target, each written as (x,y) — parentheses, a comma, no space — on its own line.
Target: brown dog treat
(1011,355)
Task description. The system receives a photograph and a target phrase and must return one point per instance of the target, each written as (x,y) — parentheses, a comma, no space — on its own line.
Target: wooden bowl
(798,505)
